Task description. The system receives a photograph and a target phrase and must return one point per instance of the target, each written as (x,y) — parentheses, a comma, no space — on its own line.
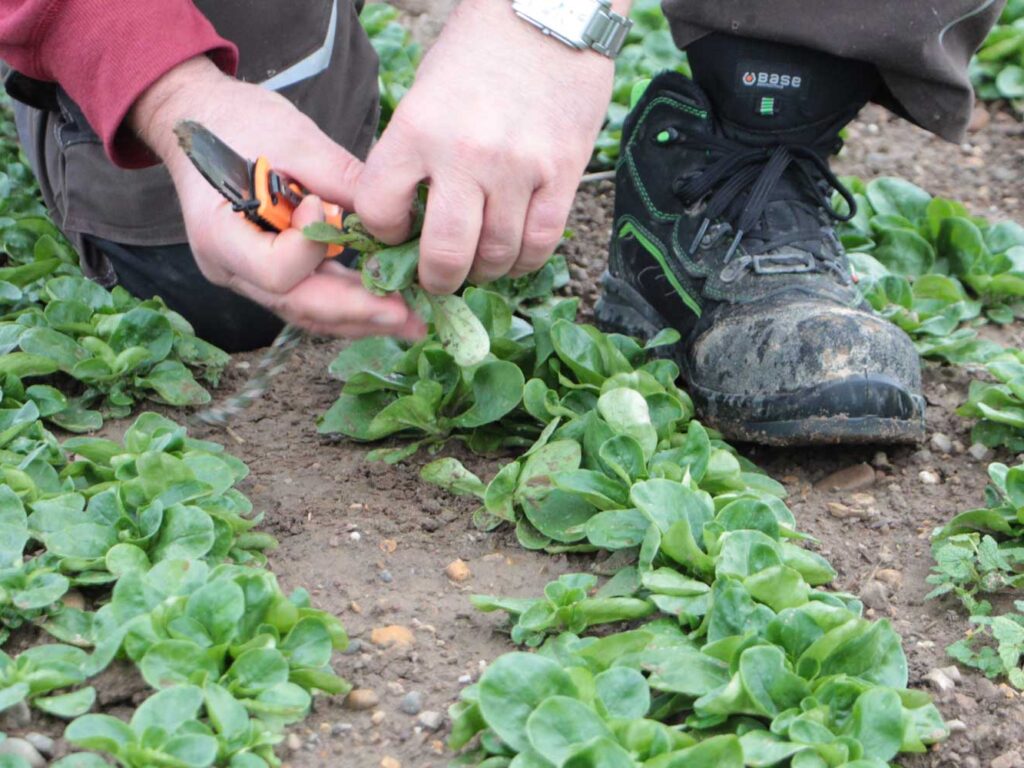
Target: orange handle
(279,200)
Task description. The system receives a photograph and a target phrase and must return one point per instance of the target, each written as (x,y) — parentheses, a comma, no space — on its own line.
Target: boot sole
(856,410)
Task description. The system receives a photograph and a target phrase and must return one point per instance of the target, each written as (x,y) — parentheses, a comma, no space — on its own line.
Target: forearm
(106,53)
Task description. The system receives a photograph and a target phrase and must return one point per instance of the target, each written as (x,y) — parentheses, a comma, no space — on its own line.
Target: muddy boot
(724,230)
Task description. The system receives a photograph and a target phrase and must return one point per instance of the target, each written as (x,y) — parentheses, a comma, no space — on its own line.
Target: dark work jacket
(314,52)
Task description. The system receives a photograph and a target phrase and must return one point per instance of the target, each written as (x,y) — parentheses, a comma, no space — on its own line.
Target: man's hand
(501,122)
(284,272)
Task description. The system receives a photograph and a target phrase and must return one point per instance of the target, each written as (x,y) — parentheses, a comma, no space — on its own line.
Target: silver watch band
(606,33)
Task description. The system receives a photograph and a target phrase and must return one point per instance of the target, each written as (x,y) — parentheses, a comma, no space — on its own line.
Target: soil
(371,542)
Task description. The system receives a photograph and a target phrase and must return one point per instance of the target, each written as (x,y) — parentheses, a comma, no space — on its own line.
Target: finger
(320,165)
(545,225)
(275,263)
(501,235)
(451,232)
(333,301)
(387,186)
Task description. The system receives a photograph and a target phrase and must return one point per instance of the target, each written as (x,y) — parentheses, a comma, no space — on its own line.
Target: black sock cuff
(763,87)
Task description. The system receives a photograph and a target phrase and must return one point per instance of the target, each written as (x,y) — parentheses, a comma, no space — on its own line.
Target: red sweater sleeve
(105,53)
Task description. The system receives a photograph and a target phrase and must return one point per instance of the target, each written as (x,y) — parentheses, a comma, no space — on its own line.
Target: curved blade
(225,169)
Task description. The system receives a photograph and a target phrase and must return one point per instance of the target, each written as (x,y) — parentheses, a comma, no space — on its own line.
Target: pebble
(431,720)
(465,679)
(980,452)
(875,595)
(956,726)
(987,689)
(41,742)
(377,717)
(1011,759)
(386,577)
(389,762)
(457,570)
(891,578)
(356,536)
(953,673)
(412,703)
(430,524)
(940,681)
(74,599)
(15,717)
(340,729)
(928,477)
(853,478)
(362,698)
(394,635)
(881,460)
(294,743)
(395,688)
(923,456)
(24,750)
(941,443)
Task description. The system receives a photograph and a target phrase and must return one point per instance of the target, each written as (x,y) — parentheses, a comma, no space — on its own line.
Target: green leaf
(560,724)
(67,705)
(513,687)
(624,692)
(497,390)
(461,332)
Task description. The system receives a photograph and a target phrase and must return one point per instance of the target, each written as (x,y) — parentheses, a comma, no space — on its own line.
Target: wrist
(171,98)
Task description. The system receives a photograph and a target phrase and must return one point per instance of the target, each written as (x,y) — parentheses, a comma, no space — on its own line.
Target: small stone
(987,689)
(941,443)
(1011,759)
(928,477)
(388,546)
(340,729)
(953,673)
(395,688)
(853,478)
(386,577)
(389,762)
(875,595)
(362,698)
(377,717)
(44,744)
(294,743)
(465,679)
(980,452)
(923,456)
(940,681)
(430,524)
(890,577)
(356,536)
(24,750)
(394,635)
(980,118)
(74,599)
(431,720)
(881,460)
(15,717)
(412,703)
(956,726)
(457,570)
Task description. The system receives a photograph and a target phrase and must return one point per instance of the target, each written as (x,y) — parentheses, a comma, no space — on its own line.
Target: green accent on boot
(767,108)
(664,137)
(630,228)
(638,91)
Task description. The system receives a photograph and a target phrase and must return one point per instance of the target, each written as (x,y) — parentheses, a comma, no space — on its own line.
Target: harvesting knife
(253,188)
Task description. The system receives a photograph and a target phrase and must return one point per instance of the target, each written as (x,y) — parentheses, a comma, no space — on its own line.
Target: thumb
(323,167)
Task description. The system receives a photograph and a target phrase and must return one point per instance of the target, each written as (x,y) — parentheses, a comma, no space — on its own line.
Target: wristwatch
(578,23)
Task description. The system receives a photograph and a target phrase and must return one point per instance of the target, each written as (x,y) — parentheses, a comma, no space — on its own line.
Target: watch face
(567,18)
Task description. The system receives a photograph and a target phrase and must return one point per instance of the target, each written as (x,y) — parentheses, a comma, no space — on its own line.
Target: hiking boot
(724,231)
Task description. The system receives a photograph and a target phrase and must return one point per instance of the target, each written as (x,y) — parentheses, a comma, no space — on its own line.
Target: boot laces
(740,183)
